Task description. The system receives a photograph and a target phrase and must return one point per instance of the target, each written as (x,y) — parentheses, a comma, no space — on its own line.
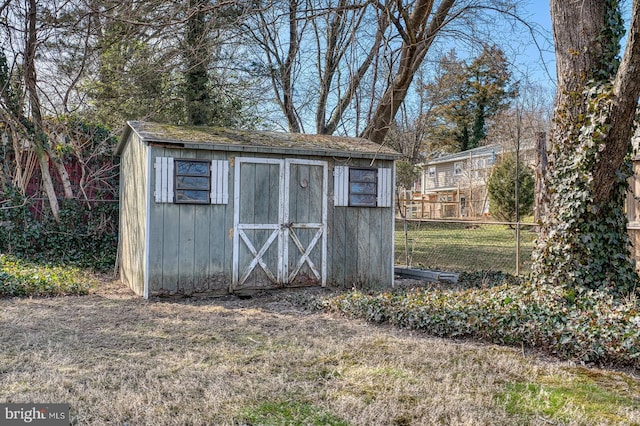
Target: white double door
(280,223)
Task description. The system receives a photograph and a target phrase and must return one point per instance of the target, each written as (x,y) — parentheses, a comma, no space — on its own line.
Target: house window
(192,181)
(431,173)
(363,187)
(478,163)
(457,168)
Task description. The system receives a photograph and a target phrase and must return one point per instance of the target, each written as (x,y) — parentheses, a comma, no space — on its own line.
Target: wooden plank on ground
(428,275)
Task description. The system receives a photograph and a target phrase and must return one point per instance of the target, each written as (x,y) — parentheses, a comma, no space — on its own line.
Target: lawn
(463,246)
(269,360)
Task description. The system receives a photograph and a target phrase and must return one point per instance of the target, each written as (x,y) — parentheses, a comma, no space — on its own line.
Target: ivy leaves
(586,242)
(581,324)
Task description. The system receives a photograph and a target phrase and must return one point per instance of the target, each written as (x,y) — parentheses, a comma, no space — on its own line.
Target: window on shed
(457,168)
(363,187)
(192,181)
(432,172)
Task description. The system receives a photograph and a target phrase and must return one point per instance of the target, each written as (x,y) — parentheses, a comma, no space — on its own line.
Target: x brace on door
(257,256)
(305,252)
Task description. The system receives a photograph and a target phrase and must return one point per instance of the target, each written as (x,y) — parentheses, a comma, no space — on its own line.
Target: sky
(537,60)
(527,42)
(540,11)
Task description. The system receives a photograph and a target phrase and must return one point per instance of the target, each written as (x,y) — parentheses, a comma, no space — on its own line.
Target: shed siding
(186,240)
(221,242)
(360,240)
(190,246)
(133,214)
(363,245)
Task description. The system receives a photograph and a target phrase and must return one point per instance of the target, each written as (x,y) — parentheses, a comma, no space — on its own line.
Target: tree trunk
(196,53)
(334,53)
(62,172)
(39,136)
(584,241)
(417,39)
(287,70)
(355,80)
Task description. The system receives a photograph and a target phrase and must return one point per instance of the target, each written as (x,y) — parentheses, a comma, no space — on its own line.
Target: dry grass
(117,359)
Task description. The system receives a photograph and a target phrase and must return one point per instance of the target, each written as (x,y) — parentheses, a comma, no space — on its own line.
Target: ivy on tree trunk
(583,240)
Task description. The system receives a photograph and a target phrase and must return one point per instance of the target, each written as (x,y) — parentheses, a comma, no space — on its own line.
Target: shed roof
(224,139)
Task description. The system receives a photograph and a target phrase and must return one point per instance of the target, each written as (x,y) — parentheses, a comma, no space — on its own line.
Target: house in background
(633,202)
(455,185)
(217,210)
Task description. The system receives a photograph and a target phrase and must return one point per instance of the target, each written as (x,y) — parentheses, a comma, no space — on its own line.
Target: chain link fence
(464,246)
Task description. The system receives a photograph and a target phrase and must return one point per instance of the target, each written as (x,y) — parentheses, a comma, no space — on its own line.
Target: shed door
(279,223)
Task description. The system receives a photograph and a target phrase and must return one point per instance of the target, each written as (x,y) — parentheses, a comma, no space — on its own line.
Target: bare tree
(418,24)
(278,28)
(355,72)
(104,61)
(25,119)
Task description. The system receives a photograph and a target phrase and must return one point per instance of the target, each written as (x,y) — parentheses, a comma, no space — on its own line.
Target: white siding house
(455,185)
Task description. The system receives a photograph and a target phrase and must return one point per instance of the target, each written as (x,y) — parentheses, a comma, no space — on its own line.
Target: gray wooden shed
(219,210)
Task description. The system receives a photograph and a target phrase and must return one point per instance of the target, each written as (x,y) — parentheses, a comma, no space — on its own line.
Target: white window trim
(219,182)
(457,171)
(164,188)
(164,180)
(341,187)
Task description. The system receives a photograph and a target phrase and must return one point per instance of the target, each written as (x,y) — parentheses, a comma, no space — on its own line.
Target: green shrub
(23,278)
(86,235)
(501,187)
(580,324)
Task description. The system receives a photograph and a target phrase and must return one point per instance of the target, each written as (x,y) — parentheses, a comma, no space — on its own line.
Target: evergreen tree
(197,57)
(501,187)
(468,96)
